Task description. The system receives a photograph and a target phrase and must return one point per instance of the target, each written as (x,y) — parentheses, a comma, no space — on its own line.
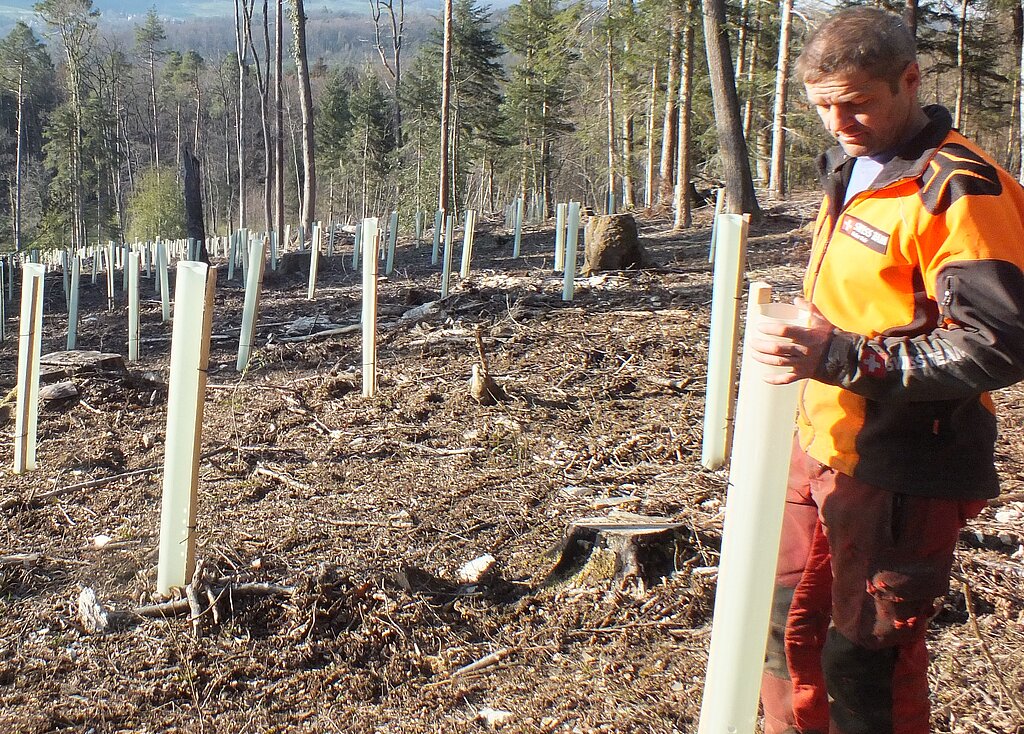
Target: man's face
(864,114)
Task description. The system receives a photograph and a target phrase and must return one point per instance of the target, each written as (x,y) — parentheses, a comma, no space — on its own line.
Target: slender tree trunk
(738,182)
(910,15)
(241,36)
(651,127)
(17,157)
(306,108)
(683,215)
(961,63)
(670,123)
(446,84)
(751,66)
(1013,138)
(628,198)
(263,87)
(610,102)
(776,176)
(279,121)
(154,109)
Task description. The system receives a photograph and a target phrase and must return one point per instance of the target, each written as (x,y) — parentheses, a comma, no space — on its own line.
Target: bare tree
(776,177)
(610,102)
(739,185)
(279,121)
(961,65)
(395,28)
(306,109)
(683,216)
(670,122)
(446,89)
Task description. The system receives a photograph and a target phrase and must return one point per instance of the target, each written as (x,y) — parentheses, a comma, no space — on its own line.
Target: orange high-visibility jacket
(922,277)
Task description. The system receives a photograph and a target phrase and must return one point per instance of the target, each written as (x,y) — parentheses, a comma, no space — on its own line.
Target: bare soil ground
(363,511)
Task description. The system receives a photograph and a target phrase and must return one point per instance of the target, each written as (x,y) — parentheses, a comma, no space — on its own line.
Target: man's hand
(797,350)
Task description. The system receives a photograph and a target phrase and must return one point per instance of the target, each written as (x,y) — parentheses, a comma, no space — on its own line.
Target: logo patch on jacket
(873,362)
(864,233)
(955,172)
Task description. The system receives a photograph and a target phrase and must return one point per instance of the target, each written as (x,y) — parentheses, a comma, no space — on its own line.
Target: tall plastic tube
(110,276)
(438,223)
(719,201)
(165,291)
(446,265)
(132,268)
(467,243)
(190,356)
(73,290)
(732,241)
(30,329)
(357,245)
(572,236)
(560,214)
(371,239)
(4,267)
(251,305)
(314,260)
(517,242)
(750,539)
(232,255)
(389,266)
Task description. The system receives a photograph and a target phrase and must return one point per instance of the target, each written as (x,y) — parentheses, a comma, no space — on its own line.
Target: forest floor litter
(383,564)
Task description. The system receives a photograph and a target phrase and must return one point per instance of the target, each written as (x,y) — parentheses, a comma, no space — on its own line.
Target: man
(916,295)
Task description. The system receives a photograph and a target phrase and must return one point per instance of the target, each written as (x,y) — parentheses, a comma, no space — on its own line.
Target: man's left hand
(798,350)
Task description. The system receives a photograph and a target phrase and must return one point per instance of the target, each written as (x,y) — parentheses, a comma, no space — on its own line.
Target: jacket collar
(910,160)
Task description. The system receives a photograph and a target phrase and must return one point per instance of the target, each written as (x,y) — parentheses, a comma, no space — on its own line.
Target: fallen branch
(485,662)
(440,452)
(53,493)
(21,559)
(351,328)
(280,477)
(681,385)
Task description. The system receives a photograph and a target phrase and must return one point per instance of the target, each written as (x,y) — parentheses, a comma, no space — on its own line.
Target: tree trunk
(776,176)
(610,102)
(263,87)
(651,107)
(739,185)
(670,123)
(961,64)
(17,157)
(195,227)
(628,198)
(306,105)
(279,122)
(683,214)
(910,15)
(241,34)
(446,84)
(750,68)
(156,115)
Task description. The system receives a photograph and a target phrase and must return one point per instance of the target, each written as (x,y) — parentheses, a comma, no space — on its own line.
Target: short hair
(862,38)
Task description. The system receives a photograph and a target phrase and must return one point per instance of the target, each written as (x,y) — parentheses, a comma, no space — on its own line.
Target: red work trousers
(861,572)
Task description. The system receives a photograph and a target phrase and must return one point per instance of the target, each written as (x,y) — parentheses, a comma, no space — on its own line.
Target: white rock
(91,613)
(476,569)
(99,541)
(494,718)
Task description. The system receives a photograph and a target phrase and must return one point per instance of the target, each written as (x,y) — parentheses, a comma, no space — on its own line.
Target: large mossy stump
(620,547)
(612,244)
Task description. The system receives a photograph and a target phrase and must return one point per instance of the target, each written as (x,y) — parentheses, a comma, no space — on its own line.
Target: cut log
(620,547)
(612,244)
(77,360)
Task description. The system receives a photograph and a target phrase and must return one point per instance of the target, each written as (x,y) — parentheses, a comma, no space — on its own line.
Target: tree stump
(620,547)
(296,262)
(61,365)
(612,244)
